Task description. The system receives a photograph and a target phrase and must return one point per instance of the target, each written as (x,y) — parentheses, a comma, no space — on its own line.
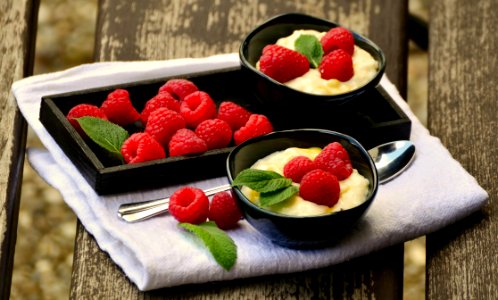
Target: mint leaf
(221,246)
(104,133)
(310,46)
(261,181)
(272,198)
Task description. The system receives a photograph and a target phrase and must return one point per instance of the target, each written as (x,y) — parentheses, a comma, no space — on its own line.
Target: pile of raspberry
(179,120)
(191,205)
(284,64)
(319,178)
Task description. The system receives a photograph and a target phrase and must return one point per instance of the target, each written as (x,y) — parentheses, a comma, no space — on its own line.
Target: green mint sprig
(273,187)
(218,242)
(310,46)
(104,133)
(261,181)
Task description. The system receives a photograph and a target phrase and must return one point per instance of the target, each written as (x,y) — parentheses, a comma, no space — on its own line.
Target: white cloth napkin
(434,192)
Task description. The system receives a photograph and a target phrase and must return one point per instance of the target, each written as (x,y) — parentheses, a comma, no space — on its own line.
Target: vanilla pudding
(354,189)
(364,65)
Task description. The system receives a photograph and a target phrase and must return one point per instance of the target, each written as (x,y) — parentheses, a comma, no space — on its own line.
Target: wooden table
(462,259)
(17,32)
(146,30)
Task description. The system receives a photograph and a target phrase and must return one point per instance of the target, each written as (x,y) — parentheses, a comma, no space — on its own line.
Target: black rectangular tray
(372,119)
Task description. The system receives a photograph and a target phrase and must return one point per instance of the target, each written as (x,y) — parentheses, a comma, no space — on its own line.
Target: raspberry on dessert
(189,205)
(119,109)
(179,88)
(140,147)
(297,167)
(196,108)
(185,142)
(215,132)
(282,64)
(320,187)
(84,110)
(235,115)
(163,99)
(338,38)
(224,211)
(335,160)
(162,124)
(257,125)
(338,64)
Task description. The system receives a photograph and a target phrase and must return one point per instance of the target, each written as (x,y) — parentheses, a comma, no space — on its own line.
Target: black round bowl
(300,232)
(276,94)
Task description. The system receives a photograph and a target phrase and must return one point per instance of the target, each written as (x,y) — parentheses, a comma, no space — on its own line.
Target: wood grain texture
(16,61)
(463,111)
(146,30)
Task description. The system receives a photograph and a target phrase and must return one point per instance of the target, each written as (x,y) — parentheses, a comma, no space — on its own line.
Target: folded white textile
(432,193)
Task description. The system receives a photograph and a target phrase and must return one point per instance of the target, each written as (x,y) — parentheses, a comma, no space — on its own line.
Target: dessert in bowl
(309,90)
(307,225)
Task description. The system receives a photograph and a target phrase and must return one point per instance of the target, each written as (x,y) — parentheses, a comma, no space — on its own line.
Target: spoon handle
(134,212)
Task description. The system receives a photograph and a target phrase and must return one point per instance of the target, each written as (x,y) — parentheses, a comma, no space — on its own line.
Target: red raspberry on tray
(338,64)
(338,38)
(224,211)
(235,115)
(320,187)
(282,64)
(179,88)
(163,99)
(189,205)
(257,125)
(215,132)
(141,147)
(84,110)
(163,123)
(196,108)
(335,159)
(185,142)
(297,167)
(119,109)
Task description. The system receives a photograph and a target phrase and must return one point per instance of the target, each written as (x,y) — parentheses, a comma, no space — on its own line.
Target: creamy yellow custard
(364,65)
(354,189)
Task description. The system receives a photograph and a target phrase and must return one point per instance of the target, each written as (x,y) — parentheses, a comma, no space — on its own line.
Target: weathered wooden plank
(17,30)
(172,29)
(463,111)
(377,276)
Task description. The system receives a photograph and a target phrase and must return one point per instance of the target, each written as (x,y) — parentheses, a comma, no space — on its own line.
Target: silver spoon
(390,159)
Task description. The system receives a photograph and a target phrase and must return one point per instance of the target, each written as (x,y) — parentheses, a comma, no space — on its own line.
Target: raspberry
(119,109)
(236,116)
(189,205)
(84,110)
(140,147)
(196,108)
(163,123)
(224,211)
(215,132)
(163,99)
(282,64)
(179,88)
(335,159)
(338,64)
(185,142)
(338,38)
(297,167)
(256,125)
(320,187)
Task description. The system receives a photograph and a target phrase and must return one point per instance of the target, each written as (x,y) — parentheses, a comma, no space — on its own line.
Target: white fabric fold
(434,192)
